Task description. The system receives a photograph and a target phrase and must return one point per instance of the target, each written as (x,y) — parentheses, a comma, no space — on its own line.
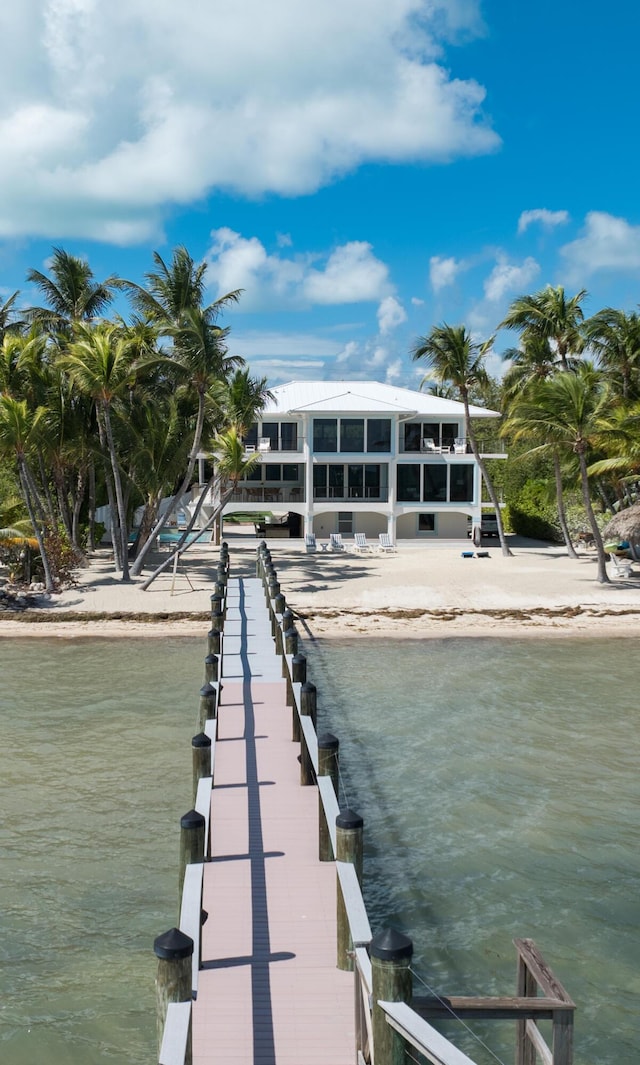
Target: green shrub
(534,526)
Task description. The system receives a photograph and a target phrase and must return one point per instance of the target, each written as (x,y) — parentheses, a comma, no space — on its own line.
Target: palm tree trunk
(603,577)
(24,472)
(562,514)
(91,543)
(506,551)
(117,481)
(162,520)
(116,541)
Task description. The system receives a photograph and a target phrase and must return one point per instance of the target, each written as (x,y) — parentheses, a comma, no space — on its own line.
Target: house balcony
(266,446)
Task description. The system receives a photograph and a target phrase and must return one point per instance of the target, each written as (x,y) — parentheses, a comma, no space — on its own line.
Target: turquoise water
(499,785)
(96,741)
(498,782)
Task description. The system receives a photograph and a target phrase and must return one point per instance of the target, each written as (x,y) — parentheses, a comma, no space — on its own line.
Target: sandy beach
(424,589)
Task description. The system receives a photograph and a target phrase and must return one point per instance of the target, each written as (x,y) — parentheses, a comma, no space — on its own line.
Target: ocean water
(498,781)
(499,785)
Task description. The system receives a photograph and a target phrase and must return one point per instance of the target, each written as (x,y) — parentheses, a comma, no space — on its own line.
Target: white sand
(425,589)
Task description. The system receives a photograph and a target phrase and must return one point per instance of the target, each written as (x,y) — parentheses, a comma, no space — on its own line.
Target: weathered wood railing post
(261,549)
(308,708)
(201,758)
(192,843)
(391,953)
(526,987)
(174,951)
(349,848)
(328,766)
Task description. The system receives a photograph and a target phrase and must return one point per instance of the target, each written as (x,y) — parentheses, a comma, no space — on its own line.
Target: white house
(358,456)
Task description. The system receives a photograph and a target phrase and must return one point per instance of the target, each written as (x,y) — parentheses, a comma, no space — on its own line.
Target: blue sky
(363,170)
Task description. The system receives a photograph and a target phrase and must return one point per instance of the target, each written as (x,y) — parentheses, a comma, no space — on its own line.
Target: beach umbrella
(624,526)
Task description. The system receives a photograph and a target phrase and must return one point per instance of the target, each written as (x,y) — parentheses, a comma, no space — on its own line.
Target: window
(345,522)
(412,437)
(289,436)
(270,432)
(356,482)
(461,483)
(449,434)
(252,436)
(378,434)
(336,482)
(320,482)
(325,434)
(272,472)
(352,434)
(372,482)
(426,523)
(435,483)
(290,471)
(409,484)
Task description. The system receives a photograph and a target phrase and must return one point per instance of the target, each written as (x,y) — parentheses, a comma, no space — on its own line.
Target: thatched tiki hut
(625,526)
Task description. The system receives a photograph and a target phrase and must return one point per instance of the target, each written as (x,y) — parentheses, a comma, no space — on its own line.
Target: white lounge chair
(310,542)
(335,542)
(620,566)
(429,445)
(360,543)
(385,543)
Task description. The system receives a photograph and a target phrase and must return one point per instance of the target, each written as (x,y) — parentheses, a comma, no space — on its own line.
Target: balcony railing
(262,494)
(351,495)
(266,446)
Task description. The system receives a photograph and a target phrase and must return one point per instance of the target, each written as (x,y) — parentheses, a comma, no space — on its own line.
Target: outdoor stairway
(269,991)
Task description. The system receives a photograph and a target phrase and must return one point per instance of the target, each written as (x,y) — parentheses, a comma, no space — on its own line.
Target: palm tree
(9,323)
(566,411)
(232,465)
(532,362)
(550,316)
(103,363)
(173,301)
(71,293)
(454,358)
(19,432)
(614,336)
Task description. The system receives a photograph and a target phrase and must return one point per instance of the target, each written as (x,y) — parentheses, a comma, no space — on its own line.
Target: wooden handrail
(175,1036)
(492,1008)
(425,1039)
(542,974)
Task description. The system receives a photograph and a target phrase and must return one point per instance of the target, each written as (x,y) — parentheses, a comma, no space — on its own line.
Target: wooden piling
(391,953)
(328,766)
(174,951)
(349,848)
(210,668)
(201,759)
(192,827)
(213,641)
(308,708)
(208,703)
(298,676)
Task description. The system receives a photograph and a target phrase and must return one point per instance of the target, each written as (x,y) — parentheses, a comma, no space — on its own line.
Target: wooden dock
(269,991)
(276,865)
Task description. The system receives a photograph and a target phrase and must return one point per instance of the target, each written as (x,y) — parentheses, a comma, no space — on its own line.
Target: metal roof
(363,397)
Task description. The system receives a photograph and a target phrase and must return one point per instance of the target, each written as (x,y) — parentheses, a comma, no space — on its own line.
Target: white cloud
(350,274)
(109,113)
(607,243)
(391,314)
(416,302)
(548,219)
(443,272)
(507,277)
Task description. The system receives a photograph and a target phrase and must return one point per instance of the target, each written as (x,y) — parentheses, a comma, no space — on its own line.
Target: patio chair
(310,542)
(385,543)
(620,566)
(335,542)
(360,543)
(459,446)
(429,446)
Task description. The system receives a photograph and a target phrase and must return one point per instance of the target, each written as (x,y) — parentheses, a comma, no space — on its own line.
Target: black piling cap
(349,819)
(211,660)
(207,691)
(192,820)
(390,945)
(172,945)
(201,740)
(287,616)
(299,658)
(308,687)
(225,545)
(328,742)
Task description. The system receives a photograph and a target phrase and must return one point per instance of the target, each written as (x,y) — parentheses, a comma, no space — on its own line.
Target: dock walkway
(269,991)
